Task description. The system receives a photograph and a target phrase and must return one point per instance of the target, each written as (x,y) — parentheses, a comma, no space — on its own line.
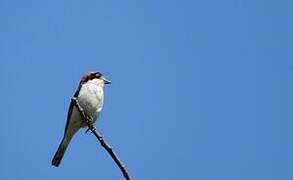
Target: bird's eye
(98,75)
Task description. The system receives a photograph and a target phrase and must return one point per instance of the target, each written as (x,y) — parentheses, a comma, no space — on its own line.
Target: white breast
(91,98)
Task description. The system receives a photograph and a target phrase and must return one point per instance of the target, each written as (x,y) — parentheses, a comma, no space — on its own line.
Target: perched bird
(90,96)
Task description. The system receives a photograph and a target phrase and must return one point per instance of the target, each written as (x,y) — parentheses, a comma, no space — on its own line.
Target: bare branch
(104,144)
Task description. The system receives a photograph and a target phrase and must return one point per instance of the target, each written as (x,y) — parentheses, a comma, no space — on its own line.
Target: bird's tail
(60,152)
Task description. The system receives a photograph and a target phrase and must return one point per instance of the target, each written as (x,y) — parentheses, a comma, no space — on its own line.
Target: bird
(90,96)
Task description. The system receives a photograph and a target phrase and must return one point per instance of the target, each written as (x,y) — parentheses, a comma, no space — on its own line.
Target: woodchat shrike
(90,96)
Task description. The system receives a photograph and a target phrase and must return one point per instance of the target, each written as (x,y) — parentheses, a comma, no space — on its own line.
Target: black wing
(71,107)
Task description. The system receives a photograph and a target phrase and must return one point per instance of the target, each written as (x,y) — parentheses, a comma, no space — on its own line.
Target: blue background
(201,89)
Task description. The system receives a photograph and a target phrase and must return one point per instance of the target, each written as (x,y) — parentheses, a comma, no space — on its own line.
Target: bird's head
(94,76)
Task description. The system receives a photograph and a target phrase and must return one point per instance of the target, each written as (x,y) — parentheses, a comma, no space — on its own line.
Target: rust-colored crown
(90,75)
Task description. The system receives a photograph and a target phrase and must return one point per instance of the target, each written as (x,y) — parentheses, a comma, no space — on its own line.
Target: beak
(106,80)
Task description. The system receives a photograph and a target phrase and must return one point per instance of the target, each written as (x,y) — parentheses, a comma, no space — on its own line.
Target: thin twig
(104,144)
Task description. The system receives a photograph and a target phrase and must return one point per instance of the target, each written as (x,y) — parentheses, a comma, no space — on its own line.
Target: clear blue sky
(201,89)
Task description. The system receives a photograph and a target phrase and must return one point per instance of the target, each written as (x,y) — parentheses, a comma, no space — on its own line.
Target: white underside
(91,99)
